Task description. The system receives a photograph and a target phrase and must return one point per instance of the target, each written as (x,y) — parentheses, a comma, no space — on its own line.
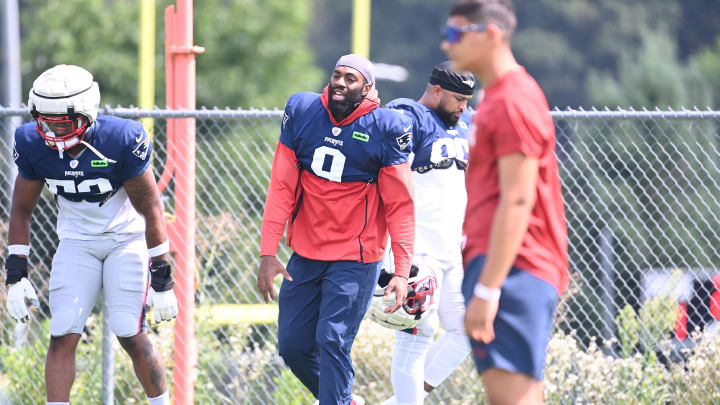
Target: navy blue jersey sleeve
(287,135)
(21,158)
(410,109)
(137,151)
(397,142)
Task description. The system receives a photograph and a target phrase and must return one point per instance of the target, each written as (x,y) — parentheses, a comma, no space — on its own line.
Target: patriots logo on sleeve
(15,153)
(285,119)
(141,150)
(404,140)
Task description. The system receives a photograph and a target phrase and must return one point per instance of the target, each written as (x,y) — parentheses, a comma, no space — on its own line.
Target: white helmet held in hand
(64,101)
(420,301)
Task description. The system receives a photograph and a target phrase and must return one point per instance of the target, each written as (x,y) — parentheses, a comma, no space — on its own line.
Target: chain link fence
(638,324)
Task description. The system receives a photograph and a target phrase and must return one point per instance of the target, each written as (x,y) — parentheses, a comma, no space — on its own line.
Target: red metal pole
(181,93)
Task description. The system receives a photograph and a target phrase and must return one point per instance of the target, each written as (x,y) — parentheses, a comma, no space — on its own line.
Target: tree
(403,32)
(707,62)
(256,53)
(562,44)
(651,76)
(649,183)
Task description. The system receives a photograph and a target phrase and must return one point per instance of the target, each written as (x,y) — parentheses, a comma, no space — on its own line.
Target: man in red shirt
(515,256)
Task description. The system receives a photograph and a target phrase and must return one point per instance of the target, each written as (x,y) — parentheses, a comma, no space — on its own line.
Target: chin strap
(97,152)
(59,146)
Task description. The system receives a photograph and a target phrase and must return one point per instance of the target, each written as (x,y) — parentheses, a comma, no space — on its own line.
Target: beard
(341,109)
(447,116)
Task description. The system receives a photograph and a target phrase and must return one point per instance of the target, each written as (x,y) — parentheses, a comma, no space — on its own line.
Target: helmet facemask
(61,131)
(420,296)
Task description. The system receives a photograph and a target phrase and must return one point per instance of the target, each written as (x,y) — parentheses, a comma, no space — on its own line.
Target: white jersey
(440,200)
(88,221)
(92,202)
(438,171)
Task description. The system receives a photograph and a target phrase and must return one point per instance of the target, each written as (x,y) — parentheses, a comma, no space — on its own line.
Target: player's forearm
(155,231)
(506,234)
(19,227)
(144,196)
(24,199)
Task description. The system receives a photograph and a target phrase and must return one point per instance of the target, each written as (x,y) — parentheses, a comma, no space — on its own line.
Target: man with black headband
(340,181)
(441,122)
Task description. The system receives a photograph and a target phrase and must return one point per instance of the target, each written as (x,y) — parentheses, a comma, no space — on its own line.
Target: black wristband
(161,276)
(16,267)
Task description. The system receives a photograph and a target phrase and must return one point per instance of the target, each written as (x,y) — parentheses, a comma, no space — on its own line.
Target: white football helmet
(419,304)
(64,101)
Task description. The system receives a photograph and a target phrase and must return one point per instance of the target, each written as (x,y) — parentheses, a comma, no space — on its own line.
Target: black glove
(16,267)
(161,276)
(385,277)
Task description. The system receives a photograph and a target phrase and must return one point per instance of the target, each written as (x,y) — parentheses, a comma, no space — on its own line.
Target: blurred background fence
(638,324)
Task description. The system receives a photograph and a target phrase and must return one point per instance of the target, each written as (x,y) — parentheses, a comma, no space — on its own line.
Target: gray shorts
(81,269)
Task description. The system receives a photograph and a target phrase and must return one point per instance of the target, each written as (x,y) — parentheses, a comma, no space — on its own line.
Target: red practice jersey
(514,118)
(341,186)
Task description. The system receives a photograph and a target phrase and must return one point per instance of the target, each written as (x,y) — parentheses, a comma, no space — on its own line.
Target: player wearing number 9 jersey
(340,181)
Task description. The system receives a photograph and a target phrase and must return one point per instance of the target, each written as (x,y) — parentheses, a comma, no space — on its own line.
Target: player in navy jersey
(441,121)
(109,212)
(340,181)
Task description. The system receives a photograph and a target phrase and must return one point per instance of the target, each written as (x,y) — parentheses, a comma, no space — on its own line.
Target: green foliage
(657,317)
(372,357)
(24,370)
(707,63)
(231,365)
(628,330)
(405,33)
(574,374)
(233,171)
(649,329)
(643,82)
(256,54)
(645,184)
(259,52)
(698,379)
(290,390)
(96,35)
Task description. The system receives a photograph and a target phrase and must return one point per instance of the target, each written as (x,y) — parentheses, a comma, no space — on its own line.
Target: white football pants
(417,359)
(82,269)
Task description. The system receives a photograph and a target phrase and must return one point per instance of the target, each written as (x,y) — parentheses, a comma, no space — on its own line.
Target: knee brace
(124,325)
(66,321)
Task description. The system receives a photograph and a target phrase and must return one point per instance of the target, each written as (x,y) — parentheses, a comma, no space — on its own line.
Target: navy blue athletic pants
(320,313)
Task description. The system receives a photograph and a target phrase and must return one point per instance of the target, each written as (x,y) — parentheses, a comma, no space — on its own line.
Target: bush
(232,370)
(290,390)
(229,366)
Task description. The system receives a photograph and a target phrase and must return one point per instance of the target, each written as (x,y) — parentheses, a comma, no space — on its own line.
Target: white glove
(19,295)
(164,304)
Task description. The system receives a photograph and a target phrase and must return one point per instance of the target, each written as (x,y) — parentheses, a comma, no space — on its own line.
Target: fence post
(606,283)
(108,359)
(180,54)
(11,82)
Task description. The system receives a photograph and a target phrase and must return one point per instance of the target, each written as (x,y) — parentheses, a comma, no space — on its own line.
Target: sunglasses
(453,34)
